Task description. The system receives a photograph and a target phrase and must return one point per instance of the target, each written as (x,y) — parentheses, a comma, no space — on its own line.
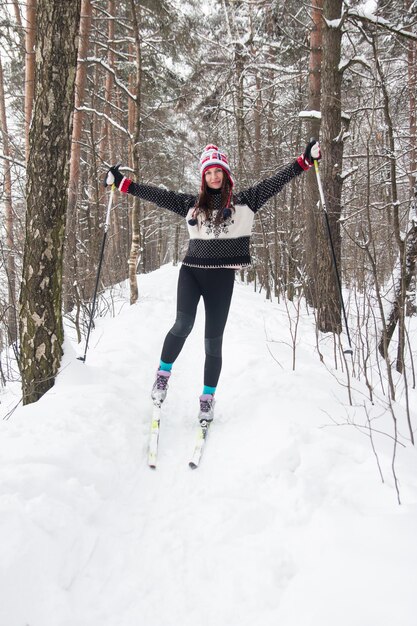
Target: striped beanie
(212,157)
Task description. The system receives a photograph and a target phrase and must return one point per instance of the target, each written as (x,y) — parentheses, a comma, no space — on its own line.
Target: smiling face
(214,177)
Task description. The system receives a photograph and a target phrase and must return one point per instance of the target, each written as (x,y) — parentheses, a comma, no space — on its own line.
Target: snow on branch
(347,173)
(333,23)
(291,71)
(346,63)
(310,115)
(12,160)
(109,119)
(111,71)
(371,18)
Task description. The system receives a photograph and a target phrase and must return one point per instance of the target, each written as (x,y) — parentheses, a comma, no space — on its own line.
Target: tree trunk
(407,275)
(9,220)
(239,107)
(411,307)
(229,9)
(107,153)
(70,261)
(17,14)
(41,329)
(412,88)
(30,34)
(328,305)
(18,18)
(135,215)
(312,211)
(398,311)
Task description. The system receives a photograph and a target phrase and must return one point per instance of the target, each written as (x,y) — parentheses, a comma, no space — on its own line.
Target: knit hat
(212,157)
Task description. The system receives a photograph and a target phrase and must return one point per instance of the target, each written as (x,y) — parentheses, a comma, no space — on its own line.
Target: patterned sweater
(214,245)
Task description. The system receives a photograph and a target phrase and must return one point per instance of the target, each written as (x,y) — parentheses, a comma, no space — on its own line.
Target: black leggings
(216,287)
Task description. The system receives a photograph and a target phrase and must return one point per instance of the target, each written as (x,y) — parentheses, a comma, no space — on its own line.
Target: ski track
(285,522)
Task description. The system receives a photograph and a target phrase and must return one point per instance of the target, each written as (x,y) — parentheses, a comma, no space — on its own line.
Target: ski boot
(160,387)
(206,408)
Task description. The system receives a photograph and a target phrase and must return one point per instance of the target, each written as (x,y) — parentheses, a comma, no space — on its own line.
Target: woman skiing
(219,224)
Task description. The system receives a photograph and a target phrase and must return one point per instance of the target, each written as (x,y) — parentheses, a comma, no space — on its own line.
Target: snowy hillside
(286,522)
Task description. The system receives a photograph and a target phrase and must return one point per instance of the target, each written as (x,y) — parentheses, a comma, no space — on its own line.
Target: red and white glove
(311,153)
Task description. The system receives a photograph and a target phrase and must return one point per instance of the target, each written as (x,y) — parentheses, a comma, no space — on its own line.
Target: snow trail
(285,522)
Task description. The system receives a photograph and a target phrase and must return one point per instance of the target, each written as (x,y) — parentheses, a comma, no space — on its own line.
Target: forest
(91,83)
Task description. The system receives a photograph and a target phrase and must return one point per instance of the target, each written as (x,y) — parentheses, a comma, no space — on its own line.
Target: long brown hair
(206,200)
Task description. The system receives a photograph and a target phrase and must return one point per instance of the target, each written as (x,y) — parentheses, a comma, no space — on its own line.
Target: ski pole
(103,244)
(339,284)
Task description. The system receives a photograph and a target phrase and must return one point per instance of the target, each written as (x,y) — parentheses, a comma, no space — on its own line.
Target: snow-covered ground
(286,522)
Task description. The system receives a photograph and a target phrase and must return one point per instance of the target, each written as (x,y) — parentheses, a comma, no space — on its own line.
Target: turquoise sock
(210,390)
(167,367)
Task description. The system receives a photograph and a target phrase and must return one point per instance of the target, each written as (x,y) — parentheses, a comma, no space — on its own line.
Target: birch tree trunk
(135,214)
(108,153)
(41,329)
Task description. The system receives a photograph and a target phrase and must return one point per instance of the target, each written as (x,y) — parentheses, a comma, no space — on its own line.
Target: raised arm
(255,197)
(179,203)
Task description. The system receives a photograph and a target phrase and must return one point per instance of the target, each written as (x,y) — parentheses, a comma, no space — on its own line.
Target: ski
(154,436)
(200,444)
(154,440)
